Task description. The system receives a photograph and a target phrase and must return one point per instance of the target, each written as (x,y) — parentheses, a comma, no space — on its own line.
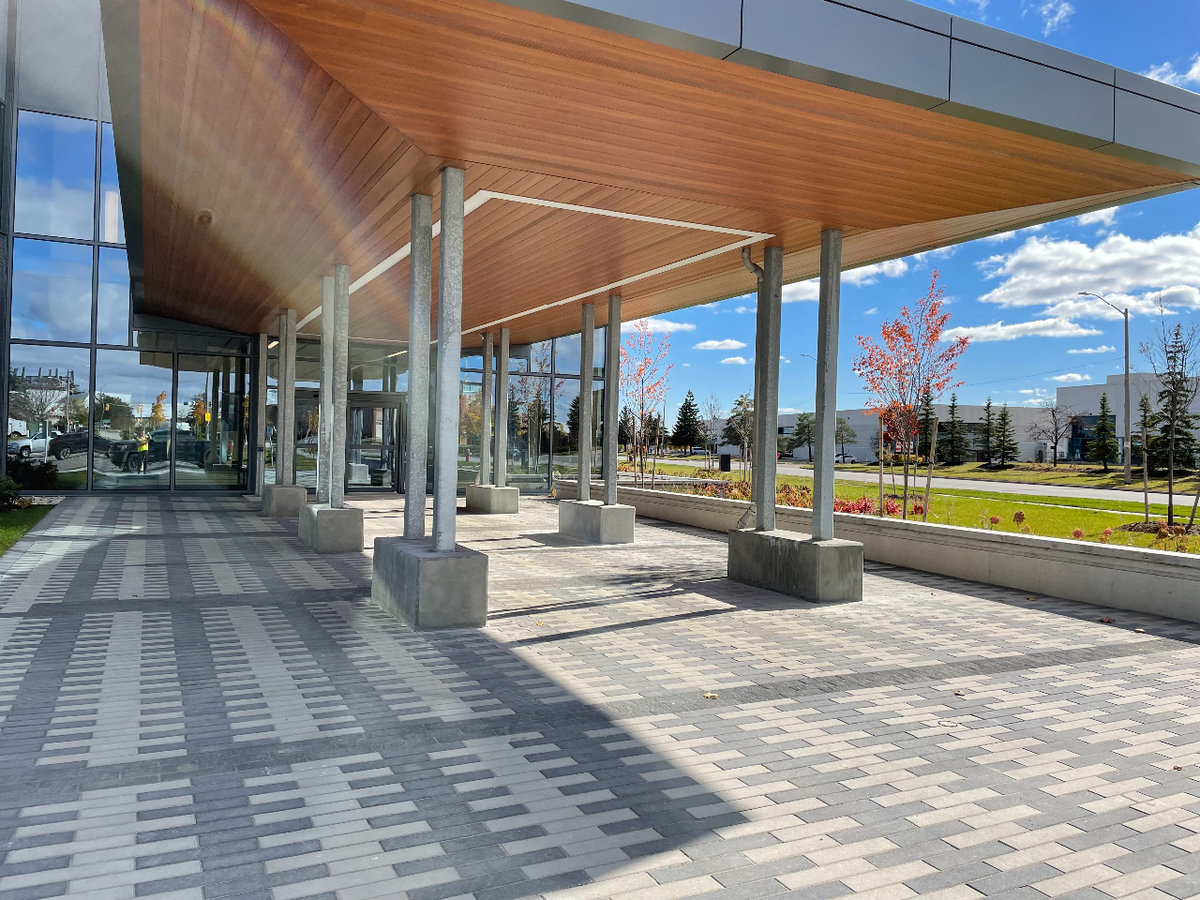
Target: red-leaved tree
(910,359)
(644,374)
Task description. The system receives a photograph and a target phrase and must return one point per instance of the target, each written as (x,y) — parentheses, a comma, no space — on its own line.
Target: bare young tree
(1174,355)
(1053,424)
(710,409)
(36,404)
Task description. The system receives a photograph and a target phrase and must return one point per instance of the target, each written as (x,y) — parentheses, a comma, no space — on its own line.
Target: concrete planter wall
(1153,581)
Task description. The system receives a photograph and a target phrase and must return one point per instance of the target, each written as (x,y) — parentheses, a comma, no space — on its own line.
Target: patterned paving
(193,706)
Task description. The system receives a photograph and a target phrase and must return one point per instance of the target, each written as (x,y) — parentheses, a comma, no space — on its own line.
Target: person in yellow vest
(143,451)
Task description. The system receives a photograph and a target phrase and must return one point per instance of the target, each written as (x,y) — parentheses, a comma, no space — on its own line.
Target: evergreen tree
(842,433)
(925,435)
(625,427)
(514,419)
(986,433)
(1004,442)
(689,430)
(1146,422)
(805,432)
(573,421)
(1103,445)
(957,443)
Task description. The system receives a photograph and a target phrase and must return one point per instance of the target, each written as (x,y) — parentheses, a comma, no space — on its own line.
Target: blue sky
(1016,293)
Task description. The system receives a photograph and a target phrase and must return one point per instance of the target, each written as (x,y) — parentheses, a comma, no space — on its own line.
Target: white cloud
(742,310)
(788,410)
(998,331)
(892,268)
(1069,378)
(1030,391)
(1168,73)
(785,360)
(1009,235)
(801,290)
(873,311)
(686,365)
(1105,217)
(1082,351)
(1128,271)
(658,326)
(1055,14)
(924,256)
(727,344)
(735,361)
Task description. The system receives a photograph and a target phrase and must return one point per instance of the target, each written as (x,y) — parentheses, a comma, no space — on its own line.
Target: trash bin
(726,462)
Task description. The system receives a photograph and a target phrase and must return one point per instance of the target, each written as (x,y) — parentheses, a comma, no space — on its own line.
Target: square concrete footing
(426,588)
(491,498)
(794,564)
(595,522)
(329,530)
(283,500)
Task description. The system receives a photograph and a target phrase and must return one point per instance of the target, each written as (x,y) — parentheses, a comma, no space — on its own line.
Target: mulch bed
(1152,528)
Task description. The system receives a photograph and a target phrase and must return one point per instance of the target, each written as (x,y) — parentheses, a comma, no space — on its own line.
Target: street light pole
(1128,434)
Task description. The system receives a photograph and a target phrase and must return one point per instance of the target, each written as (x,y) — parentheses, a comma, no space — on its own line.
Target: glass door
(373,445)
(308,412)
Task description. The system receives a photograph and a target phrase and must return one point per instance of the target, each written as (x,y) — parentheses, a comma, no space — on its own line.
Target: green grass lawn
(15,522)
(1044,515)
(1073,475)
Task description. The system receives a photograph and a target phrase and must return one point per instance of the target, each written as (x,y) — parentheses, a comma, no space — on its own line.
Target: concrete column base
(595,522)
(358,473)
(283,500)
(490,498)
(794,564)
(425,588)
(329,530)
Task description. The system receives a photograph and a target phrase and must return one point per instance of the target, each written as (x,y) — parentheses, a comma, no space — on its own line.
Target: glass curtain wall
(543,419)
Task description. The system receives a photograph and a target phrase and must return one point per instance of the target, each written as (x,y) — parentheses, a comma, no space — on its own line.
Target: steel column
(826,412)
(502,411)
(285,465)
(341,374)
(766,388)
(612,398)
(416,445)
(450,272)
(325,409)
(485,415)
(260,416)
(587,336)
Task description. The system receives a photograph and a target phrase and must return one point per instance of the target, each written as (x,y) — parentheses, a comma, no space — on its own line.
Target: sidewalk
(192,705)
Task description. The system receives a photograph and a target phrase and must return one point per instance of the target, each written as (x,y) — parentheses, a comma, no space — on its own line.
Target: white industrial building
(1079,399)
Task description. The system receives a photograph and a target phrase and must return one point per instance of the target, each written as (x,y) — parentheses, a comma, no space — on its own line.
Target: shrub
(33,474)
(792,495)
(10,494)
(1078,534)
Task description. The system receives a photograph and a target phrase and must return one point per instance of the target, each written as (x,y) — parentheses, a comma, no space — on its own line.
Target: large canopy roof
(262,141)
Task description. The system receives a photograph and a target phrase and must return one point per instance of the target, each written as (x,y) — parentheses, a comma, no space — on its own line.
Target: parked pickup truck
(74,442)
(25,447)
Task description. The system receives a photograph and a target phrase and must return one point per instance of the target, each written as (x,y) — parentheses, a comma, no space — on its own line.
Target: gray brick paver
(267,731)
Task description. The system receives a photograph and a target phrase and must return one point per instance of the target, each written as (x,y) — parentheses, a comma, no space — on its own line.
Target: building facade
(87,381)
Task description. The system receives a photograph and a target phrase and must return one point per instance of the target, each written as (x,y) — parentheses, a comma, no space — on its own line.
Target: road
(970,484)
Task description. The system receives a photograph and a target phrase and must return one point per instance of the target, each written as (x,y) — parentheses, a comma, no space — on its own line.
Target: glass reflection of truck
(25,447)
(123,454)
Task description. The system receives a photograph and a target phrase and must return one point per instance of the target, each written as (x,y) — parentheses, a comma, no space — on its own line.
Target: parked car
(845,458)
(25,447)
(64,445)
(123,454)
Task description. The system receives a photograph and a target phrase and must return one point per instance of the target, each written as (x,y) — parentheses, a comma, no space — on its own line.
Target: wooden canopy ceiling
(267,140)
